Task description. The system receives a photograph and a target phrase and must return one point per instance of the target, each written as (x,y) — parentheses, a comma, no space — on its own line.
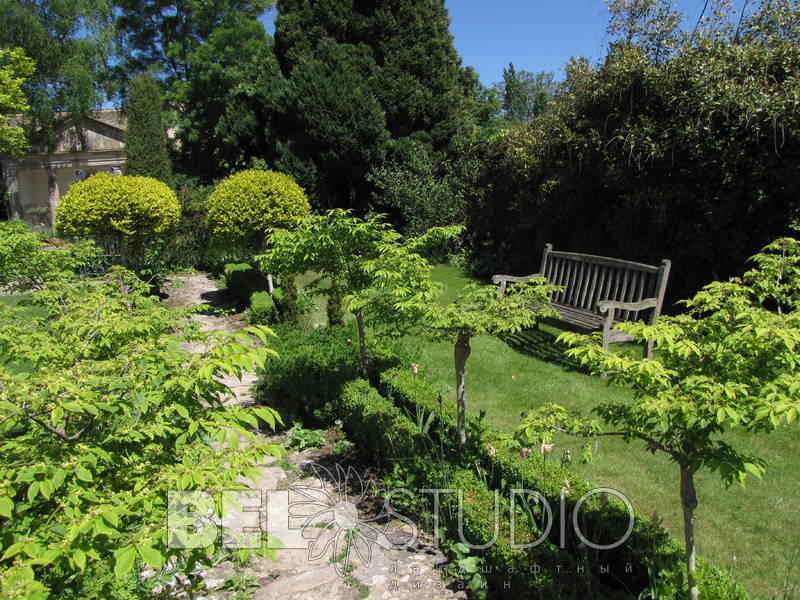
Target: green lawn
(758,524)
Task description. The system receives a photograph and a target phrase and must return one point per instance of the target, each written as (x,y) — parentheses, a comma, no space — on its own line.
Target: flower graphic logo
(331,511)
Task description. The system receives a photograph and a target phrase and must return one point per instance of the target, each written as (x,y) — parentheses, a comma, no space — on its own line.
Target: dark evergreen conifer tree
(146,151)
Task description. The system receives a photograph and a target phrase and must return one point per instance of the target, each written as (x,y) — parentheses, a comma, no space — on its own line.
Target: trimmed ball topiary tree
(245,206)
(126,209)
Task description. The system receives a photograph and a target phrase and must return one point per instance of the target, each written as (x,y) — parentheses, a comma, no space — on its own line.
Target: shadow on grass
(542,345)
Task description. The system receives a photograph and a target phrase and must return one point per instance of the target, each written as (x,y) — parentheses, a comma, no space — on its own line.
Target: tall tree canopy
(163,35)
(215,63)
(225,112)
(14,68)
(525,95)
(395,63)
(69,42)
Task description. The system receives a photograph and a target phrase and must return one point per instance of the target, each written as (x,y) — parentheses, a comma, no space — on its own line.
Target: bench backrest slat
(587,280)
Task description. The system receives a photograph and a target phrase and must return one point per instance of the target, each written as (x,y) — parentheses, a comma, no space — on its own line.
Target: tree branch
(646,438)
(61,434)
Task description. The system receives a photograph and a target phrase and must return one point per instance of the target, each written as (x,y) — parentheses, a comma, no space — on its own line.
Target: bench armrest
(606,305)
(504,280)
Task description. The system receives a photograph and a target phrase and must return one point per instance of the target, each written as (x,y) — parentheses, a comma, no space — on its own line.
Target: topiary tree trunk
(334,306)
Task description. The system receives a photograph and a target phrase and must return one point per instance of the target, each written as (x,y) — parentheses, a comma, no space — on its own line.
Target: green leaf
(33,489)
(6,507)
(754,469)
(12,550)
(83,474)
(154,558)
(79,556)
(123,561)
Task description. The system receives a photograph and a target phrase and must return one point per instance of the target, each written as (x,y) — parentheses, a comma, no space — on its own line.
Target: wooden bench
(599,292)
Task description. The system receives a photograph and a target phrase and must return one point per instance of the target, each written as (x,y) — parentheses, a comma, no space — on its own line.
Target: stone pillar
(11,182)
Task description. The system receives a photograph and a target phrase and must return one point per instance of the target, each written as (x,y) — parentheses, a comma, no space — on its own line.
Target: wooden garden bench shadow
(542,345)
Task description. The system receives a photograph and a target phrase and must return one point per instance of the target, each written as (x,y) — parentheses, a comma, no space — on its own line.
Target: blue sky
(536,35)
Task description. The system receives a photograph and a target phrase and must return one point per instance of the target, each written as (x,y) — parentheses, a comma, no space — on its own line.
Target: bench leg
(648,349)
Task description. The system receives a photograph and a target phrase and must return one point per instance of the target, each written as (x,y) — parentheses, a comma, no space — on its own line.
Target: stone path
(322,502)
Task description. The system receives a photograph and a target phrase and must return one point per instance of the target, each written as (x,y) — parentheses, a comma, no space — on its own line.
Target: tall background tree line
(681,143)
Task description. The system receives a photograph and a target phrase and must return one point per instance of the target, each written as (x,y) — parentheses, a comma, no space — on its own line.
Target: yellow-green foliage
(247,204)
(107,204)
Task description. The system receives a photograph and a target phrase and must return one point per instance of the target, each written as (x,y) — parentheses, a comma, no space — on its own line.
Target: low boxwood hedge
(311,369)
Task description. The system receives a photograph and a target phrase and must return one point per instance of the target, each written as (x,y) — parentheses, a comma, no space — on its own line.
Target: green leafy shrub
(375,424)
(102,413)
(301,438)
(307,377)
(27,262)
(126,205)
(126,215)
(510,573)
(262,309)
(413,393)
(244,207)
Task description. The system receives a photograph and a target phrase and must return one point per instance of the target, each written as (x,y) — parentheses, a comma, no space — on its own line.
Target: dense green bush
(375,423)
(307,377)
(245,206)
(27,263)
(106,204)
(512,572)
(127,216)
(262,309)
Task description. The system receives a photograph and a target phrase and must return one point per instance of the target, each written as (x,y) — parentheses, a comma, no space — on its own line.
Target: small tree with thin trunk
(479,310)
(380,276)
(729,362)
